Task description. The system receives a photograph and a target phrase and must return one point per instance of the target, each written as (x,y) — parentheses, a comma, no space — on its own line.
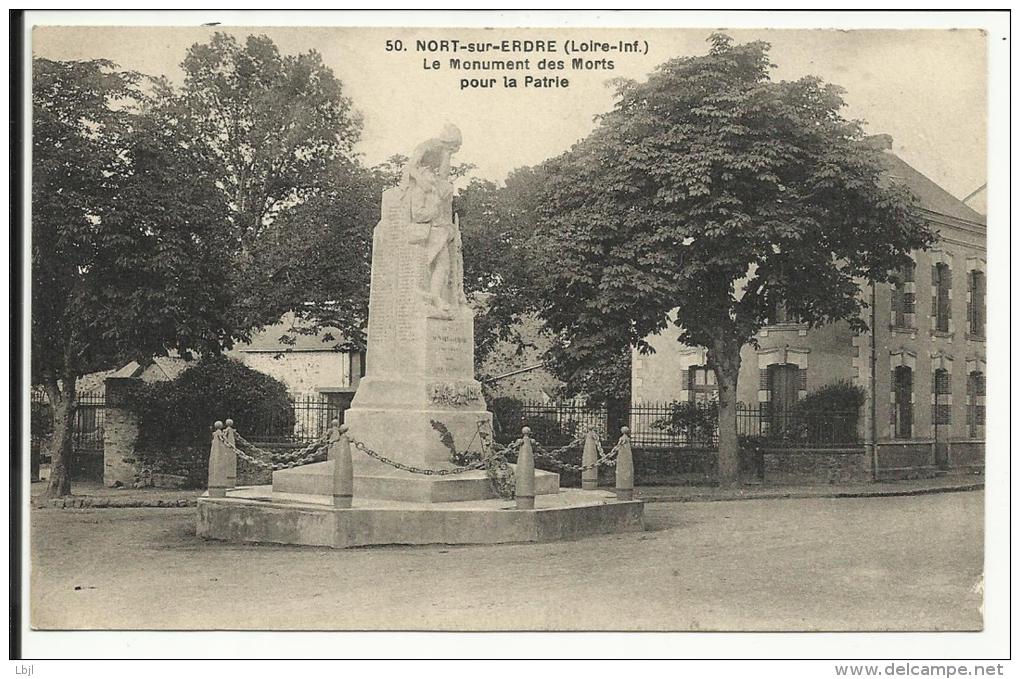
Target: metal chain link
(282,456)
(416,470)
(602,458)
(313,454)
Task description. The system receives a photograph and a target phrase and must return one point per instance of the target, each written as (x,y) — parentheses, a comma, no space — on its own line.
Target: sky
(927,88)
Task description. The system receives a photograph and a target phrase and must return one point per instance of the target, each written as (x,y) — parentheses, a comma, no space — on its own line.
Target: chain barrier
(411,468)
(309,454)
(493,457)
(602,458)
(286,456)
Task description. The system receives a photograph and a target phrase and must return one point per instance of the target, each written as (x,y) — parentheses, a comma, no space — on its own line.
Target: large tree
(126,241)
(277,131)
(709,195)
(497,223)
(315,259)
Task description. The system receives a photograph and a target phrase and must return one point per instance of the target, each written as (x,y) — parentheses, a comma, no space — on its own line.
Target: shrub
(547,429)
(507,416)
(692,422)
(828,415)
(838,397)
(176,417)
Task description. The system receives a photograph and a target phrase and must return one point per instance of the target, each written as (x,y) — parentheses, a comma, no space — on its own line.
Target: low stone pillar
(590,477)
(524,472)
(120,433)
(624,467)
(343,467)
(229,456)
(217,464)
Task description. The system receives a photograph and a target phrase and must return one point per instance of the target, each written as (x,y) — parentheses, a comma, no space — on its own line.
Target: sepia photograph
(488,322)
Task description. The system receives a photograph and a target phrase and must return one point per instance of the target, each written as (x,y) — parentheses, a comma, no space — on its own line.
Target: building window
(942,281)
(701,384)
(784,383)
(942,407)
(976,404)
(976,303)
(903,402)
(904,298)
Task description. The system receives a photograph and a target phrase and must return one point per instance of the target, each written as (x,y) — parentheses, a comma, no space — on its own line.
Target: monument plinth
(419,375)
(420,358)
(419,382)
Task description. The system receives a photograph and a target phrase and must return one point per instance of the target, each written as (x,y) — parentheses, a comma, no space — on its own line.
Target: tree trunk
(726,362)
(63,405)
(617,416)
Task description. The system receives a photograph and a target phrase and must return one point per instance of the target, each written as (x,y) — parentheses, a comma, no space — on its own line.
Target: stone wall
(906,460)
(825,354)
(844,466)
(698,467)
(120,433)
(304,372)
(967,455)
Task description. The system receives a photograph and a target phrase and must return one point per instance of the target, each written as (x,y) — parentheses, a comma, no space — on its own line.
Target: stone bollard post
(217,468)
(229,456)
(524,472)
(343,467)
(624,468)
(590,477)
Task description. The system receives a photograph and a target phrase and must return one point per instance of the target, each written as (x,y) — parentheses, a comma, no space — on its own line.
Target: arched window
(903,402)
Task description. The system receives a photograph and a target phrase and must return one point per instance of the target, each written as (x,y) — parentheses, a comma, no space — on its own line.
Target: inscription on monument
(454,393)
(450,352)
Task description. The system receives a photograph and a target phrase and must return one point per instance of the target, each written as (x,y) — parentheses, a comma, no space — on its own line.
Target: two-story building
(925,349)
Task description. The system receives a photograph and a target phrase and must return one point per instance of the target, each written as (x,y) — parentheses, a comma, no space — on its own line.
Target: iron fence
(682,425)
(553,424)
(86,463)
(765,427)
(87,427)
(306,420)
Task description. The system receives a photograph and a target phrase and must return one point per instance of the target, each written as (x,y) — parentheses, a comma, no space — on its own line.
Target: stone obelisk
(420,359)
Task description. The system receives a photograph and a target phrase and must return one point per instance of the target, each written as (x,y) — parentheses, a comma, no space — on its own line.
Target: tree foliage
(274,124)
(707,196)
(501,230)
(175,417)
(315,259)
(497,224)
(277,133)
(125,243)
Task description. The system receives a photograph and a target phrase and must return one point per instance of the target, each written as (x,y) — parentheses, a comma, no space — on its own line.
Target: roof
(268,339)
(93,383)
(161,369)
(930,195)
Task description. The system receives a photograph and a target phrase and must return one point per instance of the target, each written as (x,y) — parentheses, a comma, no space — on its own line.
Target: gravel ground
(891,563)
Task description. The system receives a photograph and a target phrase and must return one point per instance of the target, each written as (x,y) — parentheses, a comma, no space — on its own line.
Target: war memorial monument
(390,478)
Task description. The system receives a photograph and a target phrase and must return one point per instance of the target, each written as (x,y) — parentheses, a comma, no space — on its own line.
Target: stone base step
(317,479)
(258,514)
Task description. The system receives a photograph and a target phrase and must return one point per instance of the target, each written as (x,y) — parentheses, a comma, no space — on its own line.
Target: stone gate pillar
(120,432)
